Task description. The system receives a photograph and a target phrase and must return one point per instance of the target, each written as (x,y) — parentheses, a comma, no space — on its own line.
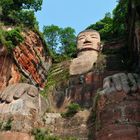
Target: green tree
(17,11)
(104,27)
(60,41)
(51,34)
(68,41)
(119,18)
(27,18)
(8,5)
(113,26)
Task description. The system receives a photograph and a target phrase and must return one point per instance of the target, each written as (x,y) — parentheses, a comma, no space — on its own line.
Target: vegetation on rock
(42,134)
(72,109)
(58,76)
(11,38)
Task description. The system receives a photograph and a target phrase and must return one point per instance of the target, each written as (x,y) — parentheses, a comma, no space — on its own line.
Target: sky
(77,14)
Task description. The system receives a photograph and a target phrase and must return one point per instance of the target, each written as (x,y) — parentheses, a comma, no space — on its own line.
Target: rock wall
(133,40)
(74,127)
(117,116)
(29,60)
(32,59)
(9,73)
(28,63)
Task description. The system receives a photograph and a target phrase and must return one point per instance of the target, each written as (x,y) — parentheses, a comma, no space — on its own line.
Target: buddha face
(88,39)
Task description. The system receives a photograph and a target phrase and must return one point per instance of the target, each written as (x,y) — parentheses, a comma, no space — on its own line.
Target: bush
(41,134)
(6,126)
(72,109)
(10,39)
(25,18)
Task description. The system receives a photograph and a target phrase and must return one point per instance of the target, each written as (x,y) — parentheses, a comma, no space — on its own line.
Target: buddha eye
(93,36)
(82,37)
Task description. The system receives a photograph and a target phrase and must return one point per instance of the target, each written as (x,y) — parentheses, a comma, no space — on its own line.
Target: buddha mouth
(87,44)
(87,49)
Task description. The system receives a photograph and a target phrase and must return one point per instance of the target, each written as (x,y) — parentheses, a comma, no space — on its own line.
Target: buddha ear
(100,46)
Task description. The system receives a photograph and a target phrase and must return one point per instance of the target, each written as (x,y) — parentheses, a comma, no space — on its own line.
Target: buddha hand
(15,91)
(129,82)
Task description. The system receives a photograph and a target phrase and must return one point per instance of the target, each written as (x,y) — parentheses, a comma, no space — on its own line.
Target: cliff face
(32,59)
(117,116)
(9,73)
(133,41)
(29,60)
(114,115)
(28,63)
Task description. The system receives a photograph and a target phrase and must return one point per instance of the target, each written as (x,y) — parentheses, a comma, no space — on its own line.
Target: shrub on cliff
(41,134)
(72,109)
(10,39)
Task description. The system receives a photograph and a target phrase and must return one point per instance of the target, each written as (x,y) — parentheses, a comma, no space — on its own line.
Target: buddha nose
(87,38)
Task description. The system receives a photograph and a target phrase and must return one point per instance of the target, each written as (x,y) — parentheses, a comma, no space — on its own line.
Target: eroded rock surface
(9,73)
(32,62)
(117,116)
(15,136)
(76,126)
(24,113)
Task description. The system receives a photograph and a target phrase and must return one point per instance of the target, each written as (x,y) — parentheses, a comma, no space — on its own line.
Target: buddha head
(88,40)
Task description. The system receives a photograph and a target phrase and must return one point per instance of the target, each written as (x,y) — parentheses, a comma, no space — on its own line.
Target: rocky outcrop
(21,106)
(29,60)
(9,73)
(74,127)
(117,116)
(133,39)
(15,136)
(32,59)
(24,111)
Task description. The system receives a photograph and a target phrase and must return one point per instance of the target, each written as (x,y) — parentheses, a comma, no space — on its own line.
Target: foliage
(17,5)
(51,34)
(72,109)
(136,2)
(41,134)
(119,18)
(113,26)
(104,26)
(60,41)
(25,18)
(57,77)
(11,38)
(68,41)
(19,11)
(6,125)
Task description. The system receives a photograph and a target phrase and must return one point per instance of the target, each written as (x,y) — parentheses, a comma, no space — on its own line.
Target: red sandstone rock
(118,117)
(31,59)
(15,136)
